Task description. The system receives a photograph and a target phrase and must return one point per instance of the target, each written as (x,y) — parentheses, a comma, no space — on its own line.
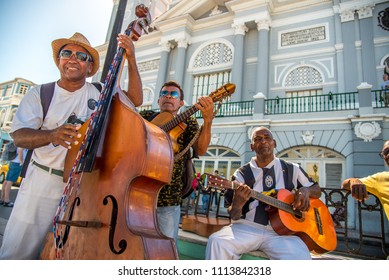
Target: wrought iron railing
(352,233)
(355,240)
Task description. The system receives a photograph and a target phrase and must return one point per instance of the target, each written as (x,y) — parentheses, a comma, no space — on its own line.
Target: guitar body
(315,227)
(175,132)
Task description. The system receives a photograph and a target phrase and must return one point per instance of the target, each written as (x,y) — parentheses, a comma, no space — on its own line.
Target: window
(205,84)
(211,66)
(303,76)
(323,165)
(23,89)
(225,160)
(148,96)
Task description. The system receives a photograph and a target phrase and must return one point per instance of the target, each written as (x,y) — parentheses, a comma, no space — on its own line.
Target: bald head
(261,128)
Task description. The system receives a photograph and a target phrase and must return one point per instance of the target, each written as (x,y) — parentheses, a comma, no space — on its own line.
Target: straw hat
(77,39)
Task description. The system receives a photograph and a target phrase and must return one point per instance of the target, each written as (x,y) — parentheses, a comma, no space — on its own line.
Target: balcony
(305,104)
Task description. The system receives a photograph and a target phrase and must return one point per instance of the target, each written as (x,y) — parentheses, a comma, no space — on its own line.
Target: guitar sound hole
(298,215)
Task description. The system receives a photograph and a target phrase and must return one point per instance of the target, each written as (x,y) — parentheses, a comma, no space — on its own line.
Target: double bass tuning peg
(151,29)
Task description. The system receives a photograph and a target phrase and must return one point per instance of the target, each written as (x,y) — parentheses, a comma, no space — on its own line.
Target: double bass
(108,209)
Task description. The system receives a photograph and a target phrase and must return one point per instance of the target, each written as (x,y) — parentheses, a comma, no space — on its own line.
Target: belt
(49,169)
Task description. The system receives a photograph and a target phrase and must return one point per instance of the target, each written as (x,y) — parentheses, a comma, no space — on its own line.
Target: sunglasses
(173,94)
(81,56)
(384,154)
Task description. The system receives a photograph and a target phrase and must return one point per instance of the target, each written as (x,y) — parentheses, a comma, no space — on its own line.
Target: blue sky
(27,28)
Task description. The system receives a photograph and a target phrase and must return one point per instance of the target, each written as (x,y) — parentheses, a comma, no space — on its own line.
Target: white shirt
(63,104)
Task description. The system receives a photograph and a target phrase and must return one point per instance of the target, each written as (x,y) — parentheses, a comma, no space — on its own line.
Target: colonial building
(11,93)
(309,70)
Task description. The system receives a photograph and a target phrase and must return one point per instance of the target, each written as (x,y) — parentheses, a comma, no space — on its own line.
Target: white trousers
(32,215)
(243,236)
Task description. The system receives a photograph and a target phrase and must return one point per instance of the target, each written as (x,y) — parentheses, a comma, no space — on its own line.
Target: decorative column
(182,44)
(263,56)
(366,22)
(163,63)
(339,50)
(358,48)
(237,68)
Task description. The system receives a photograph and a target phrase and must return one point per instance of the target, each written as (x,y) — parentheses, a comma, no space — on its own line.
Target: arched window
(323,165)
(211,67)
(303,76)
(304,81)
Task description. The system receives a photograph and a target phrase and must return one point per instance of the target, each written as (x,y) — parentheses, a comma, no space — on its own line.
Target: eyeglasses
(81,56)
(173,94)
(384,154)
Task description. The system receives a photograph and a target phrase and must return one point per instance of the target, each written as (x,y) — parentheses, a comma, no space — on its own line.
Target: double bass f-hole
(58,241)
(112,226)
(114,214)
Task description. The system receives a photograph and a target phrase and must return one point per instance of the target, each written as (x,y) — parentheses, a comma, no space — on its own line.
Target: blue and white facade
(309,70)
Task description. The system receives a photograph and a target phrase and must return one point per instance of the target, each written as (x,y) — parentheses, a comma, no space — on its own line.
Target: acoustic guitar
(175,126)
(315,226)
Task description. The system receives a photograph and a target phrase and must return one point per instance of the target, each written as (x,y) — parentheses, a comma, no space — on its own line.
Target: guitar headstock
(216,182)
(222,92)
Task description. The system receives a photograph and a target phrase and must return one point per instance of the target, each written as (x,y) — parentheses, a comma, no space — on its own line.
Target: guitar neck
(269,200)
(179,119)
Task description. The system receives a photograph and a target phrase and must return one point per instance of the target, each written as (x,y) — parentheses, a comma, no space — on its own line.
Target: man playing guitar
(250,228)
(171,99)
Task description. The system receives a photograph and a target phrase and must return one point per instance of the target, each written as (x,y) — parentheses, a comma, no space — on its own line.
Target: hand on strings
(301,200)
(241,195)
(126,43)
(66,135)
(206,106)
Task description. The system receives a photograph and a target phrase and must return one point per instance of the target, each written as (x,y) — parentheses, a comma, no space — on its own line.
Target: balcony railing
(232,109)
(380,98)
(301,104)
(316,103)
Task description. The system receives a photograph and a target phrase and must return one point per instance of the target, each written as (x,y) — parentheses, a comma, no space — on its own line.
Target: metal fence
(356,241)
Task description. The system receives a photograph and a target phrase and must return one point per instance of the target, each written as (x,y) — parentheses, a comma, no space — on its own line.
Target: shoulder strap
(98,85)
(47,92)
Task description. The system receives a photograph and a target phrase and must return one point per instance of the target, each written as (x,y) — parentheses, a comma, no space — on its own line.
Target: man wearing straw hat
(51,136)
